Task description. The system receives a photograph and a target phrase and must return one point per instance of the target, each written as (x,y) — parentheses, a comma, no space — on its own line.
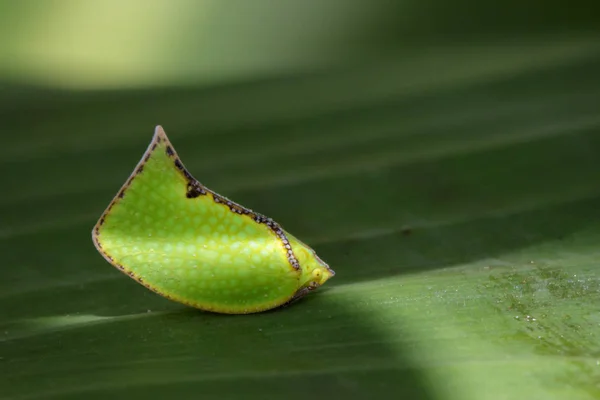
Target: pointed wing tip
(159,131)
(160,134)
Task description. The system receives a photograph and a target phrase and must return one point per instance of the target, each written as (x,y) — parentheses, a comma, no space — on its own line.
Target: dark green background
(444,158)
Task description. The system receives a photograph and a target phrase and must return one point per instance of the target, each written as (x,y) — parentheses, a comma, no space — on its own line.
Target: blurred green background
(443,157)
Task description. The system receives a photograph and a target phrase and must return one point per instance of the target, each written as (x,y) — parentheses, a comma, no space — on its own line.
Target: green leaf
(458,202)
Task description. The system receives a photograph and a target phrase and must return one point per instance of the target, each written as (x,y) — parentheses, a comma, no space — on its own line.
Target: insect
(189,244)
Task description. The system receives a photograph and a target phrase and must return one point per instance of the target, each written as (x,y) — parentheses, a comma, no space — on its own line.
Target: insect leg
(299,294)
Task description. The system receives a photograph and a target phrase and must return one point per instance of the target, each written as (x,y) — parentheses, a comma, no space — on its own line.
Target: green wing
(191,245)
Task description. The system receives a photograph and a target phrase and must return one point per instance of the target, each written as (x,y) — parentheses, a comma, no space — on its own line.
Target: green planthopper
(191,245)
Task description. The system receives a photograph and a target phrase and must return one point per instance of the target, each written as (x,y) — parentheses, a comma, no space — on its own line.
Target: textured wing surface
(185,242)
